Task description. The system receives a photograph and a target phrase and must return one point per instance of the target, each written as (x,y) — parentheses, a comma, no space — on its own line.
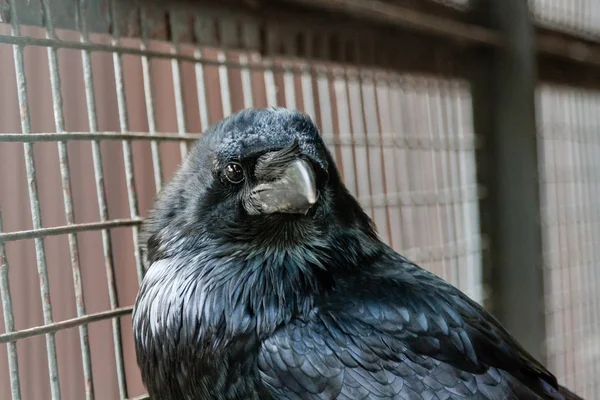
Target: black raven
(266,280)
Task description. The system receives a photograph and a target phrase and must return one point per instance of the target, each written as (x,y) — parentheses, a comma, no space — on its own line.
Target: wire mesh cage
(569,163)
(107,112)
(581,16)
(101,101)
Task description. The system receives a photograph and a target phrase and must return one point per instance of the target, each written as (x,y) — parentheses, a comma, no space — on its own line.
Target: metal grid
(105,90)
(580,16)
(570,160)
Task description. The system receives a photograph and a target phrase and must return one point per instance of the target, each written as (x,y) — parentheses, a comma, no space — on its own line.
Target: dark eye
(234,173)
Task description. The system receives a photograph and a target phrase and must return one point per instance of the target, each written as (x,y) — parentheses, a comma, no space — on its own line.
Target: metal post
(504,113)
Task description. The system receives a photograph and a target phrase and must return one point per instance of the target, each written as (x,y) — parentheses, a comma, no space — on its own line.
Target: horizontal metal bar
(61,230)
(62,44)
(385,12)
(425,197)
(264,63)
(66,324)
(451,142)
(67,136)
(446,250)
(142,397)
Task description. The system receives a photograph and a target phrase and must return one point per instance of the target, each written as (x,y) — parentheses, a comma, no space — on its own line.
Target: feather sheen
(238,306)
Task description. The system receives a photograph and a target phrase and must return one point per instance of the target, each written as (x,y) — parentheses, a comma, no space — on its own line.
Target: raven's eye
(234,172)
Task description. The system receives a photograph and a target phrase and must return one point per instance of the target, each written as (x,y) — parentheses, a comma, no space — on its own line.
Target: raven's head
(261,178)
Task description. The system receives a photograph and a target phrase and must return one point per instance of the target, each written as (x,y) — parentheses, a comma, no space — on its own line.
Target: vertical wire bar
(244,60)
(587,144)
(326,110)
(65,173)
(288,83)
(409,100)
(377,170)
(325,107)
(222,57)
(470,191)
(552,168)
(595,187)
(444,129)
(563,242)
(596,190)
(101,193)
(543,144)
(224,84)
(246,81)
(343,112)
(578,253)
(434,129)
(546,143)
(463,179)
(574,250)
(559,334)
(178,88)
(401,125)
(391,178)
(306,79)
(34,202)
(428,170)
(9,321)
(565,228)
(124,126)
(427,175)
(270,84)
(289,87)
(423,128)
(578,293)
(585,294)
(223,71)
(569,235)
(592,151)
(453,170)
(129,176)
(416,165)
(149,97)
(358,132)
(201,91)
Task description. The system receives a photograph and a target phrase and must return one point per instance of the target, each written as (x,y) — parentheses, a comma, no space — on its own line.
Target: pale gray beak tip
(295,192)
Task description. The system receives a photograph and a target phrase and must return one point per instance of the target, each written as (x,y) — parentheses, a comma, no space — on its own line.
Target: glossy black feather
(239,306)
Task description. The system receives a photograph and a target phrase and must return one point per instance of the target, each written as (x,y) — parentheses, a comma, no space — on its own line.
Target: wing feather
(404,334)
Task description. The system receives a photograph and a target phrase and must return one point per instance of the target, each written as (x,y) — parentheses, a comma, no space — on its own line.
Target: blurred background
(469,131)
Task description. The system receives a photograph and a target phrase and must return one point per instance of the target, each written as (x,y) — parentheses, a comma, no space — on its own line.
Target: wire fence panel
(93,125)
(577,16)
(101,100)
(570,160)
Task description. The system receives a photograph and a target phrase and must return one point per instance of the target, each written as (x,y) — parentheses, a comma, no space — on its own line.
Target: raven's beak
(294,192)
